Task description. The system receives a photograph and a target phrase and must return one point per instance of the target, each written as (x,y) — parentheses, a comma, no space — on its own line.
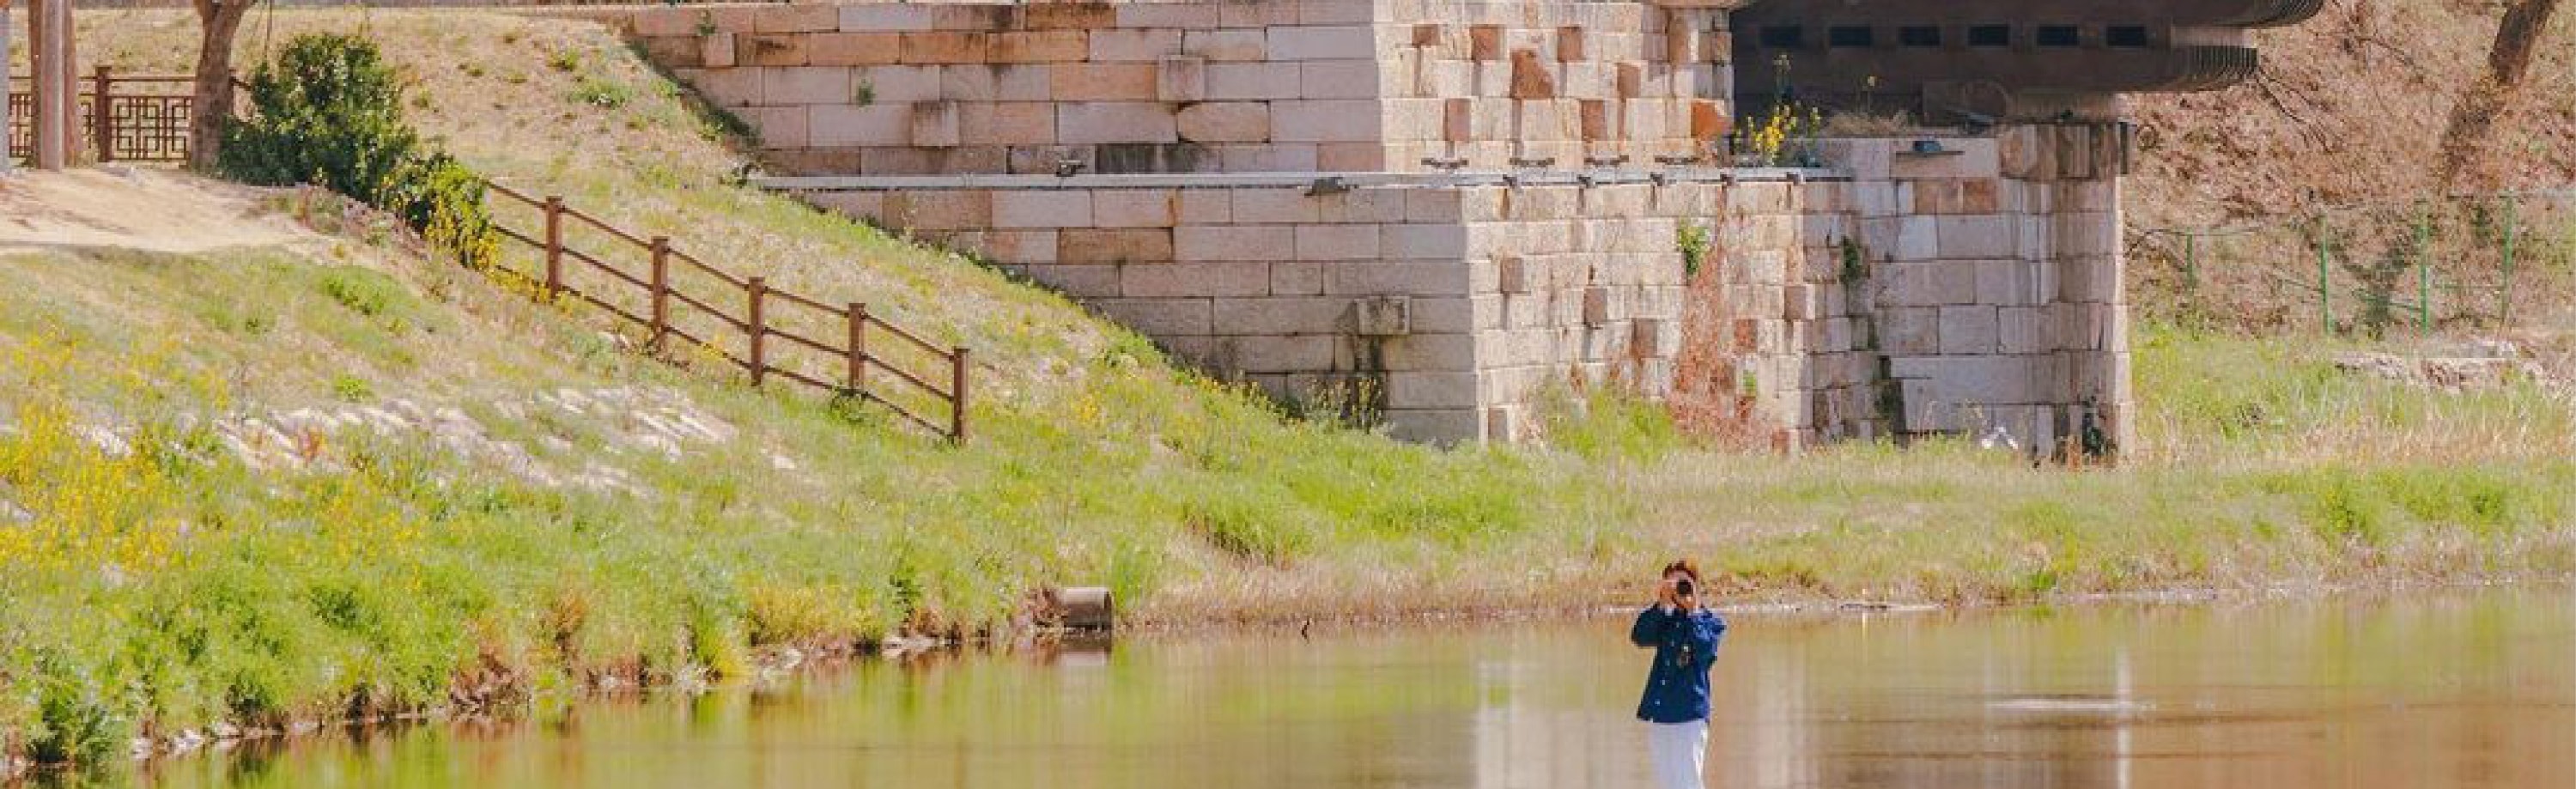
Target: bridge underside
(1995,60)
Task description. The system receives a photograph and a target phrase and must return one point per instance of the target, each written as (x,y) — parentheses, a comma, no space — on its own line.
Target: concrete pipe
(1083,608)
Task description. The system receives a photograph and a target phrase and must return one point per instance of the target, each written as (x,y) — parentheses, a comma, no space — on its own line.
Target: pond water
(2447,690)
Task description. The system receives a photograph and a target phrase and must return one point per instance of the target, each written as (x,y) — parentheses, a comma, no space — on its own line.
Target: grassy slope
(149,591)
(2350,110)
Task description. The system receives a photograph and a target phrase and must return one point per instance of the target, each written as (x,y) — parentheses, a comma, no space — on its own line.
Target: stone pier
(1459,203)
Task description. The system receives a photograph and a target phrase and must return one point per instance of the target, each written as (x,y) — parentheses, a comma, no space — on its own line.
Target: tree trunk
(214,90)
(2473,121)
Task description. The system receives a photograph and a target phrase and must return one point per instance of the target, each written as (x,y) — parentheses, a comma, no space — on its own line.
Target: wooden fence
(859,366)
(146,119)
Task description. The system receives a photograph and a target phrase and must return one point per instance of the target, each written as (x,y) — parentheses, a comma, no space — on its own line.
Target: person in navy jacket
(1683,633)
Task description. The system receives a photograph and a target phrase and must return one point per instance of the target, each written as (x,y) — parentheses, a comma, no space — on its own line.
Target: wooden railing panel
(146,117)
(563,228)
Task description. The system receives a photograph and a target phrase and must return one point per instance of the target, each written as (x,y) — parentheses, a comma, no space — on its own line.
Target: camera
(1684,588)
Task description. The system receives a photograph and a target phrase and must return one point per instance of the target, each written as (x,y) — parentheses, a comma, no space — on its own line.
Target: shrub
(444,201)
(329,113)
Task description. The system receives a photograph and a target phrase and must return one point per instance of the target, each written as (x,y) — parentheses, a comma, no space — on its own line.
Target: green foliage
(602,93)
(1607,424)
(366,292)
(444,201)
(351,389)
(1252,522)
(1693,239)
(328,111)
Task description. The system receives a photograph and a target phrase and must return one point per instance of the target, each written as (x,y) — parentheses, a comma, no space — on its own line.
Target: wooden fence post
(758,331)
(858,315)
(661,291)
(102,121)
(554,247)
(957,364)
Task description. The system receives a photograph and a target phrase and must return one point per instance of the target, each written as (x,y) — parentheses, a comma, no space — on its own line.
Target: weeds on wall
(1692,238)
(1784,137)
(1356,401)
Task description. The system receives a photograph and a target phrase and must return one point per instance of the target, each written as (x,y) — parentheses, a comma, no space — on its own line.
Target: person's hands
(1668,593)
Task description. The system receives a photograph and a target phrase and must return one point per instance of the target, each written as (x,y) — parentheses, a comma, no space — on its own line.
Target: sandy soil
(134,208)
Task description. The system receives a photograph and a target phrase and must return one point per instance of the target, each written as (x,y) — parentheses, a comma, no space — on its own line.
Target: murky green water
(2460,690)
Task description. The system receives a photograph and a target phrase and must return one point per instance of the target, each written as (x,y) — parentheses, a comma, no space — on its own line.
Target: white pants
(1680,752)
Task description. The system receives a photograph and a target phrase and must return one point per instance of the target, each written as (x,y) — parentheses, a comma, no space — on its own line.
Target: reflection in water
(2454,691)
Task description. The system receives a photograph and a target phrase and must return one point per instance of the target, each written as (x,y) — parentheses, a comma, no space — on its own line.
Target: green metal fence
(2456,261)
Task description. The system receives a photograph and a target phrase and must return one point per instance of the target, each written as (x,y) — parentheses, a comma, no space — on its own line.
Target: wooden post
(858,314)
(554,247)
(661,291)
(55,111)
(102,122)
(5,162)
(957,364)
(759,331)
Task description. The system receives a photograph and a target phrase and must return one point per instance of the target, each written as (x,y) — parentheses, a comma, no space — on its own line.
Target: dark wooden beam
(1998,59)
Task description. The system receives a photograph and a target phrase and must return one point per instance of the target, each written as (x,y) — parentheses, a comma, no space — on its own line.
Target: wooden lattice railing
(849,357)
(146,119)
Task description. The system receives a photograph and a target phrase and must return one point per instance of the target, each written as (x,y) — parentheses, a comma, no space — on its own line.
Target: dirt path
(133,208)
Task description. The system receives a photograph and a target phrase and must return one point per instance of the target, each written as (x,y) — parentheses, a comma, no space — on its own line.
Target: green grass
(176,585)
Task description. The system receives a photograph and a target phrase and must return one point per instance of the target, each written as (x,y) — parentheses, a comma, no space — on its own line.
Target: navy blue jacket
(1685,646)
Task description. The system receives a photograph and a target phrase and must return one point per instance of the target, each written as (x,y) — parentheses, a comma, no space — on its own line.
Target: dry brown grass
(2349,110)
(494,88)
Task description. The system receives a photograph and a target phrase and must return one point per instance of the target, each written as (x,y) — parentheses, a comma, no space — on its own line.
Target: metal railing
(2422,263)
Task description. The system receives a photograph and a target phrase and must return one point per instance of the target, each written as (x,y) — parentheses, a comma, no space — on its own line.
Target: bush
(328,112)
(444,201)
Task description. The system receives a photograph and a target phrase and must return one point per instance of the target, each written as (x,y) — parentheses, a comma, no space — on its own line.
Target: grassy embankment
(173,585)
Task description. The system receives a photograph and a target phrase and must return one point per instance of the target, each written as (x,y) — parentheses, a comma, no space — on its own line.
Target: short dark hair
(1684,566)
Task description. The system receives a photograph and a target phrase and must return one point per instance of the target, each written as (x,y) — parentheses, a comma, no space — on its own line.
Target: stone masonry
(1292,86)
(1972,289)
(1465,202)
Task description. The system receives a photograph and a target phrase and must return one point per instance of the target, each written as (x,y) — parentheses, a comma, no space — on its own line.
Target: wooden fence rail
(758,322)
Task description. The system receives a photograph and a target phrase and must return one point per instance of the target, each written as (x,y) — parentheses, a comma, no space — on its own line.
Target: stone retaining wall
(1302,86)
(1972,290)
(1456,303)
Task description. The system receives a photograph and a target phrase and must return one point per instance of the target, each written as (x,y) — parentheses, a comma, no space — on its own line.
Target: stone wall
(1971,290)
(1564,85)
(1456,299)
(1457,203)
(1167,87)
